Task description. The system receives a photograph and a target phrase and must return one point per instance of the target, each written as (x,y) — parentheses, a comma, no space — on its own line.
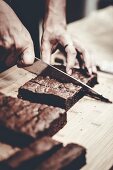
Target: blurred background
(77,9)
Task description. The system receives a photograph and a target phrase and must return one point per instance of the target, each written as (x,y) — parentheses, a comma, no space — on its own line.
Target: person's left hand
(55,35)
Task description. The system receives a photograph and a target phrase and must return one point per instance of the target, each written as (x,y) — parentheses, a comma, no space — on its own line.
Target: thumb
(27,56)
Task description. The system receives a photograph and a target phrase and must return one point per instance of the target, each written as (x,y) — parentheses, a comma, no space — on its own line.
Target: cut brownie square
(80,75)
(31,156)
(28,120)
(49,91)
(52,89)
(71,157)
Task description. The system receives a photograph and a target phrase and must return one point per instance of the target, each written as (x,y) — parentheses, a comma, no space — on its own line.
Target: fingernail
(20,63)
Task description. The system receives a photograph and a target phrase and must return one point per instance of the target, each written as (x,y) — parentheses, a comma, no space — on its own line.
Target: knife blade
(39,66)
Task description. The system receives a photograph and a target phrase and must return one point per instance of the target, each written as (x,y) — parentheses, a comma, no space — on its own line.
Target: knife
(39,66)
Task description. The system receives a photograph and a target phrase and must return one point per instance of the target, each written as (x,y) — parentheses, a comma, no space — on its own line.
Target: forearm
(56,12)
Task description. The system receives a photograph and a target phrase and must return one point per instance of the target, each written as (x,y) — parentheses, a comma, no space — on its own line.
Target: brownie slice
(31,156)
(71,157)
(26,121)
(80,75)
(52,89)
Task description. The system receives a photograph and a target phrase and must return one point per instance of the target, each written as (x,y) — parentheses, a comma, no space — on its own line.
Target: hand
(15,40)
(55,35)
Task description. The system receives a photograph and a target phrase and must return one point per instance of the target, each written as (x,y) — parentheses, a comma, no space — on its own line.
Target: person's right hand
(15,41)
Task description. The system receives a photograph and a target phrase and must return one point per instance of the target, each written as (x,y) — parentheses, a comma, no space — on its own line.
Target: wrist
(54,21)
(55,13)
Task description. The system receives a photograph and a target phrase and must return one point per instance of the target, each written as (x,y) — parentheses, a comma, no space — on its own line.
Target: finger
(7,42)
(71,53)
(92,65)
(89,73)
(46,52)
(71,58)
(27,56)
(83,57)
(94,69)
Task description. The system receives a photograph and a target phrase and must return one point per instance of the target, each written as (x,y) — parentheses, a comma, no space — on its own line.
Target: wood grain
(90,122)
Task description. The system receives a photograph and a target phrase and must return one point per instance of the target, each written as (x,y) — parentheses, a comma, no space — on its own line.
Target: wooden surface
(90,122)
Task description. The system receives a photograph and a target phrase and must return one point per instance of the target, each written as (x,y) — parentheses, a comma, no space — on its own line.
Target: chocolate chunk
(29,157)
(28,120)
(52,89)
(71,157)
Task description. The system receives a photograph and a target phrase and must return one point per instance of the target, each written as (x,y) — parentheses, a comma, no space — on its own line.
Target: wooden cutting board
(90,122)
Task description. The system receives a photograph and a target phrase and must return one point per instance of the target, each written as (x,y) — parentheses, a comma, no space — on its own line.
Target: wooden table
(90,122)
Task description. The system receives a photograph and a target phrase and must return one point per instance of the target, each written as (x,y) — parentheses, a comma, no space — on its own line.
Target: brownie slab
(49,91)
(25,120)
(52,89)
(29,157)
(71,157)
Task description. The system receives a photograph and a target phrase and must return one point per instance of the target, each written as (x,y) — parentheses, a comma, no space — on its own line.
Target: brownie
(71,157)
(53,89)
(28,120)
(31,156)
(80,75)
